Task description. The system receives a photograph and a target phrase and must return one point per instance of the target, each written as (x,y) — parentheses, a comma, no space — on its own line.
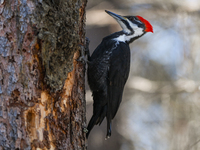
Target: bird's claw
(84,51)
(82,57)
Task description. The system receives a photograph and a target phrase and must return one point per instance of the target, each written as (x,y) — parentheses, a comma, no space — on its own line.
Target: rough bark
(42,103)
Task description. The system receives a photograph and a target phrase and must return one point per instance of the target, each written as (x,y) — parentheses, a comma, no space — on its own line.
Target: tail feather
(102,114)
(97,118)
(91,124)
(99,110)
(109,129)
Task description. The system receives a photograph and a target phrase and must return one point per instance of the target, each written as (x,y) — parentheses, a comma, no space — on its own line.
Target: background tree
(160,107)
(42,102)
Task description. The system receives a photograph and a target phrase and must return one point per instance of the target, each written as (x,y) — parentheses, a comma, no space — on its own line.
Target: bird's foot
(87,51)
(82,57)
(84,51)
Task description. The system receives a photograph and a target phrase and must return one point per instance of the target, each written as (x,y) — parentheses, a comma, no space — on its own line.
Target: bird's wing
(117,76)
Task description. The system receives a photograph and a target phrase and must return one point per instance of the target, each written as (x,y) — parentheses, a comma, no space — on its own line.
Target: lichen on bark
(59,36)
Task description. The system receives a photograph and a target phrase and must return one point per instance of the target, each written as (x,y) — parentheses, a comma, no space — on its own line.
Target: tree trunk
(42,91)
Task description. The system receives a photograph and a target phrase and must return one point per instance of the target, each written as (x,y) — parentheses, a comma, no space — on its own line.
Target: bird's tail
(97,118)
(91,124)
(99,110)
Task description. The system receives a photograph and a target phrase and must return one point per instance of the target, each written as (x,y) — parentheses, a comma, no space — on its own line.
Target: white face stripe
(124,27)
(127,38)
(137,21)
(133,26)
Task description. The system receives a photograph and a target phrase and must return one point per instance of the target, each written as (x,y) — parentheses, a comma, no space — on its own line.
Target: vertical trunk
(42,103)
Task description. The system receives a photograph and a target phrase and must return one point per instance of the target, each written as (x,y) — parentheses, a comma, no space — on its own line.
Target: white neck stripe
(127,38)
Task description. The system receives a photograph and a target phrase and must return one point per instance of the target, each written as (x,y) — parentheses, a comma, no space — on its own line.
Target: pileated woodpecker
(108,68)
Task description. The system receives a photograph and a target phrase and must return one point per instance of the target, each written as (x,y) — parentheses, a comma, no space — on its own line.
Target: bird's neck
(128,38)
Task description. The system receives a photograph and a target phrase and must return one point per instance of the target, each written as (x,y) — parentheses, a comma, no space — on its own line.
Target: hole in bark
(15,95)
(31,122)
(29,37)
(24,50)
(12,59)
(34,67)
(31,117)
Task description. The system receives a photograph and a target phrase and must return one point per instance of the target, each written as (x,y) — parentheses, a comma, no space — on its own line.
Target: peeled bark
(42,91)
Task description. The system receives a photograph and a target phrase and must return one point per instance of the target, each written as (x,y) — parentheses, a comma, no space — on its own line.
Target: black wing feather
(118,75)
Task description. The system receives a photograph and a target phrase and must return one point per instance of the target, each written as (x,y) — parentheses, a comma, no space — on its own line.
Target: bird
(109,66)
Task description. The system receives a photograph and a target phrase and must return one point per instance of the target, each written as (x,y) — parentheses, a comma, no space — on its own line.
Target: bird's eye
(137,20)
(133,19)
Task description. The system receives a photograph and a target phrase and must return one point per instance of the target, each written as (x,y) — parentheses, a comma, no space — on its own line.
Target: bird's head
(132,25)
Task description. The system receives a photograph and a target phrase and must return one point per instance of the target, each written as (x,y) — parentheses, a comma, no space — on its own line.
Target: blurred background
(160,109)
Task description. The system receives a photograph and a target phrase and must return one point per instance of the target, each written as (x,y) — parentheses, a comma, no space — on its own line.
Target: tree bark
(42,91)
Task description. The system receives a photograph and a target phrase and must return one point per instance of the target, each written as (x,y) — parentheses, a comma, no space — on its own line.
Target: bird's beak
(116,16)
(123,21)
